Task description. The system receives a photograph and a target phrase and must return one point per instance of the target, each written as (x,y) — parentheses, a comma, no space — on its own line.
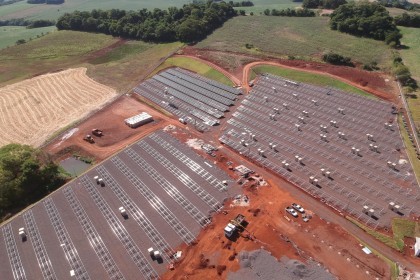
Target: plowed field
(32,110)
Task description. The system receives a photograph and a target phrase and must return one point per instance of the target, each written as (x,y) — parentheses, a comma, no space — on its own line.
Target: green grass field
(305,77)
(10,34)
(120,67)
(261,5)
(302,37)
(411,58)
(410,150)
(195,66)
(33,11)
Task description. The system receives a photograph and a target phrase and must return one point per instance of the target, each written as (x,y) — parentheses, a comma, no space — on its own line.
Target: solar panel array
(302,131)
(167,190)
(189,96)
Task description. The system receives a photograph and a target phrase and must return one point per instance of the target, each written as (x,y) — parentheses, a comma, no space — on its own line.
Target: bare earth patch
(32,110)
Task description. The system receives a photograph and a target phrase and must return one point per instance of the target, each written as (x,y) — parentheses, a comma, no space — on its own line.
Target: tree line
(323,4)
(28,23)
(54,2)
(241,4)
(190,23)
(290,12)
(8,2)
(26,175)
(366,19)
(408,20)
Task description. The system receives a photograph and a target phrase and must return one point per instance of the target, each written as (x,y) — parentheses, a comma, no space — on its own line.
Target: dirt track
(32,110)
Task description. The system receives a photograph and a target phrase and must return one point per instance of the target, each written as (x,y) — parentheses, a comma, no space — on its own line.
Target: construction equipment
(89,138)
(97,132)
(233,226)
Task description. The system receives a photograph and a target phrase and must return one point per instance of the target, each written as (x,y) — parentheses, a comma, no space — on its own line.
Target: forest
(190,23)
(26,175)
(366,19)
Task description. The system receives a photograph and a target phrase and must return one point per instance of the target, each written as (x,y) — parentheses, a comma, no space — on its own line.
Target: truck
(233,226)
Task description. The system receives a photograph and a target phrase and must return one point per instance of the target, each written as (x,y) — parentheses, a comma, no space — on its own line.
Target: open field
(261,5)
(33,11)
(311,78)
(195,66)
(303,37)
(410,149)
(34,109)
(10,34)
(117,63)
(411,58)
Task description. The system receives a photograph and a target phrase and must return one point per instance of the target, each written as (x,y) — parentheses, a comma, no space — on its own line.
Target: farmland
(261,5)
(301,37)
(110,61)
(32,11)
(33,109)
(10,34)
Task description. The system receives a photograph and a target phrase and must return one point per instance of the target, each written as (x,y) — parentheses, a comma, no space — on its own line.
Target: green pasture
(10,34)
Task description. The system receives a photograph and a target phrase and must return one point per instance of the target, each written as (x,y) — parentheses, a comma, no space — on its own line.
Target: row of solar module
(194,102)
(186,84)
(357,128)
(341,112)
(189,162)
(334,101)
(312,101)
(211,82)
(304,171)
(13,253)
(312,126)
(190,93)
(359,124)
(263,125)
(322,92)
(282,137)
(119,230)
(182,176)
(169,188)
(200,83)
(93,236)
(174,108)
(142,90)
(313,190)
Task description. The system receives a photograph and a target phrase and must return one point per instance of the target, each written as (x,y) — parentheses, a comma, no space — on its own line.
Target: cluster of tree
(336,59)
(400,4)
(190,23)
(241,4)
(26,175)
(27,23)
(323,4)
(402,73)
(366,19)
(45,2)
(408,20)
(290,12)
(8,2)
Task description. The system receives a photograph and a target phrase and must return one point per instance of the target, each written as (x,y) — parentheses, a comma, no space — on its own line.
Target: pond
(74,166)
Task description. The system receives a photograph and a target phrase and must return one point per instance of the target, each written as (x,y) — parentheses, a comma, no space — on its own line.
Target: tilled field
(32,110)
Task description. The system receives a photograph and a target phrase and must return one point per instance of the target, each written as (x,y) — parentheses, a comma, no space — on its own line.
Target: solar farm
(193,98)
(341,148)
(167,193)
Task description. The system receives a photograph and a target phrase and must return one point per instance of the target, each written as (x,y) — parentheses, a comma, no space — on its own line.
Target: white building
(138,120)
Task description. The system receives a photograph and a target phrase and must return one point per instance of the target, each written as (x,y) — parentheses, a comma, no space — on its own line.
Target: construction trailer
(234,225)
(417,247)
(138,120)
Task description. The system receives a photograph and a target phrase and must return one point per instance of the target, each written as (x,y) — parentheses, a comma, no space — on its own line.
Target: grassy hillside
(304,37)
(115,65)
(411,58)
(261,5)
(309,78)
(10,34)
(33,11)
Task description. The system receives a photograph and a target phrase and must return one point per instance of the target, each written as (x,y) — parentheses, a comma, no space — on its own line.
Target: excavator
(89,138)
